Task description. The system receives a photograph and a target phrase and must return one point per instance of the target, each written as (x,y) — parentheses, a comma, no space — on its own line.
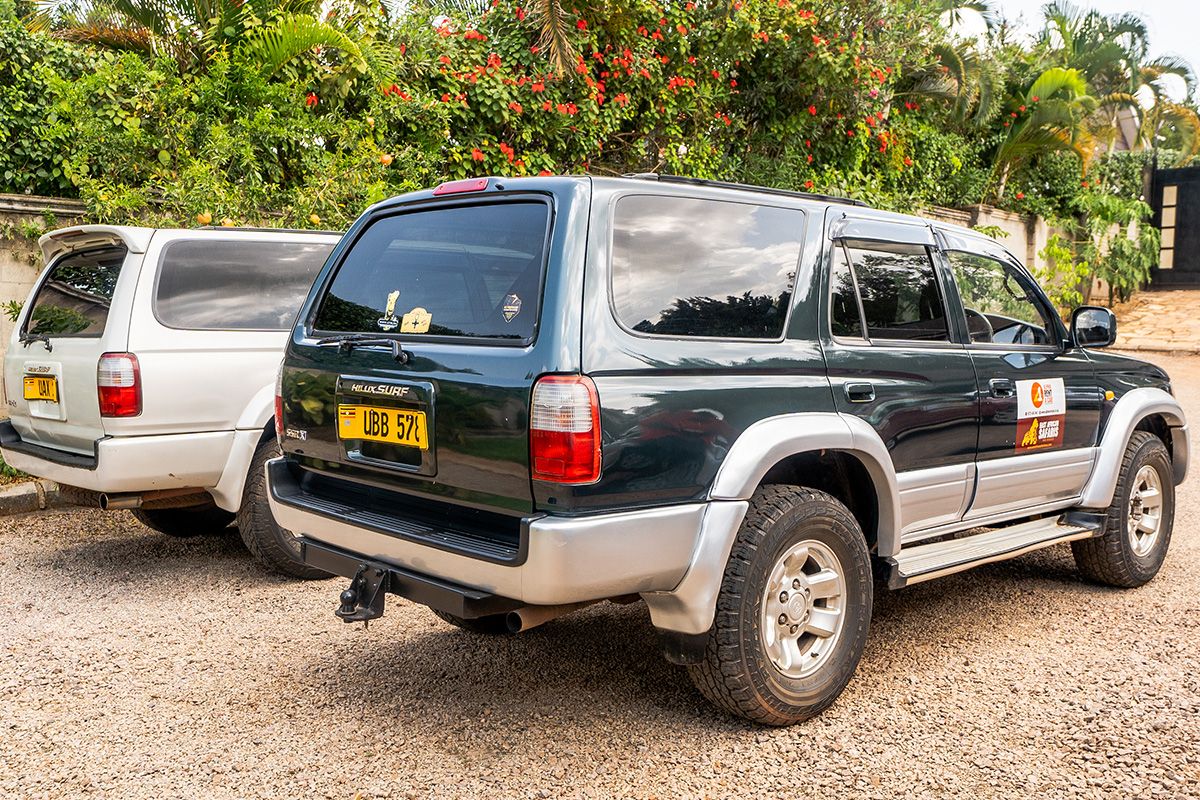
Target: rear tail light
(119,385)
(279,406)
(564,430)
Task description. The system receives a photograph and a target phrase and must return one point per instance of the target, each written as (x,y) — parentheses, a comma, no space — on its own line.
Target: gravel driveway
(134,665)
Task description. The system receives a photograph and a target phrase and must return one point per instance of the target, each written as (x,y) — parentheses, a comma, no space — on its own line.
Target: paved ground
(1165,321)
(133,665)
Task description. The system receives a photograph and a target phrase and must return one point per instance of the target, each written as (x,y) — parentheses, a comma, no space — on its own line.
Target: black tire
(491,625)
(737,674)
(183,523)
(273,547)
(1112,559)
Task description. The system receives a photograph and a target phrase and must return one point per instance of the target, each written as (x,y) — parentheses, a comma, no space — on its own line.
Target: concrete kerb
(35,495)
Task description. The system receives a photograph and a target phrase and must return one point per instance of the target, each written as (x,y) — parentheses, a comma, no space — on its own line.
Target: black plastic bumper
(461,601)
(11,440)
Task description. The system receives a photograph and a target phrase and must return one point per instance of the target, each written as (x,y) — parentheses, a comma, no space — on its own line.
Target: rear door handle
(1002,387)
(859,392)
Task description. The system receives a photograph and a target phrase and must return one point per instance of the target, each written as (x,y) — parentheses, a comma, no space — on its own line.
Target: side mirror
(1093,326)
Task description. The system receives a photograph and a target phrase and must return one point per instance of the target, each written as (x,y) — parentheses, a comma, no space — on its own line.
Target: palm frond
(551,18)
(290,35)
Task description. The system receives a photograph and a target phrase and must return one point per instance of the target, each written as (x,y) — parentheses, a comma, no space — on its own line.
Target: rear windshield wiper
(348,342)
(27,339)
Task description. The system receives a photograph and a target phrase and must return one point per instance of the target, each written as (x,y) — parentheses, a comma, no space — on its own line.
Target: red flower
(1020,195)
(538,87)
(515,106)
(622,99)
(477,154)
(732,84)
(810,158)
(544,172)
(520,14)
(581,24)
(444,59)
(1022,108)
(493,60)
(507,151)
(908,162)
(716,75)
(1035,98)
(812,110)
(310,100)
(546,106)
(445,98)
(808,184)
(682,29)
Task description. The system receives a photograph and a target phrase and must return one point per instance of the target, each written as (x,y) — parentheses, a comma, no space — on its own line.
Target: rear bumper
(566,559)
(125,463)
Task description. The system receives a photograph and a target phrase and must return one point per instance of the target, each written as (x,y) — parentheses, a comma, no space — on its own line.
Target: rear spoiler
(79,237)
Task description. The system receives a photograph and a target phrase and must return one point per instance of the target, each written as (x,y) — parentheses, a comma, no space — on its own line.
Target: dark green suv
(510,398)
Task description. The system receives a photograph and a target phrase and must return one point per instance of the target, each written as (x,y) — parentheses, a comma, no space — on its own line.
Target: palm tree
(1056,107)
(191,31)
(1112,52)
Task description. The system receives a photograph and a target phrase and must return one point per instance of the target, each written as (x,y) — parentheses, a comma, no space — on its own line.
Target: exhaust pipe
(160,498)
(526,617)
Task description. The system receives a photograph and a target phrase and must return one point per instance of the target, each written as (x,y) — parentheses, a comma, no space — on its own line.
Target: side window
(899,292)
(235,285)
(845,316)
(76,295)
(704,268)
(999,301)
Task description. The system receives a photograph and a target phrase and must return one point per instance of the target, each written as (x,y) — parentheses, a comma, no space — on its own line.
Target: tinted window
(845,317)
(687,267)
(232,285)
(75,297)
(999,301)
(900,298)
(463,271)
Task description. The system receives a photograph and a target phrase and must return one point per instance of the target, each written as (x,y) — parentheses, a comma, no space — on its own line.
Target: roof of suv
(135,238)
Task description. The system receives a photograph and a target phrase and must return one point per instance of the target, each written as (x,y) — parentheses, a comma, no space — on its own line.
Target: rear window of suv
(206,284)
(460,271)
(704,268)
(76,295)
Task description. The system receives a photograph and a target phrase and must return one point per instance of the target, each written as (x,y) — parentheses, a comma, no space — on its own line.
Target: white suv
(141,373)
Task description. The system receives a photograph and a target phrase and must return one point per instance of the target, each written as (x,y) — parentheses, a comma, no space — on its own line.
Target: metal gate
(1175,198)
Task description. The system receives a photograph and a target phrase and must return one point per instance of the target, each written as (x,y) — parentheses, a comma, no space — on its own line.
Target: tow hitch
(363,599)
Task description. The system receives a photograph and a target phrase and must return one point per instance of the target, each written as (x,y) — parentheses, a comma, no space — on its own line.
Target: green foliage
(1119,242)
(993,231)
(1062,276)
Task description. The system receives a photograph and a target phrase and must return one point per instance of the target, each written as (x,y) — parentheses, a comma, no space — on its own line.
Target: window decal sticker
(512,307)
(416,321)
(1041,414)
(388,321)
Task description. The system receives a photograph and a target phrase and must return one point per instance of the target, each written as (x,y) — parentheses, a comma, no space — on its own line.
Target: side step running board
(925,562)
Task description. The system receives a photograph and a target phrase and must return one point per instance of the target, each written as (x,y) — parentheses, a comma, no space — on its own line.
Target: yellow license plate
(38,387)
(391,425)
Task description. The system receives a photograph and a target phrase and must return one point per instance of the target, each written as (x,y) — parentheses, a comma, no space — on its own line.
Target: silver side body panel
(1132,408)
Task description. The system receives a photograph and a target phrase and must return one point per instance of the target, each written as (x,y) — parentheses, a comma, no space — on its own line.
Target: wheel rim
(803,608)
(1144,520)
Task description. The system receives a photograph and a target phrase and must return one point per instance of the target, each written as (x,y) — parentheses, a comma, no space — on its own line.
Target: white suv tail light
(119,385)
(564,430)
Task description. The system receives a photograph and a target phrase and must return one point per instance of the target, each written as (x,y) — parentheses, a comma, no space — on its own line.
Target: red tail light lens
(461,187)
(279,406)
(119,385)
(564,430)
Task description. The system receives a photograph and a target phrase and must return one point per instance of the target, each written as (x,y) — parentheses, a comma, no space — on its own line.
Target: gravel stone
(135,665)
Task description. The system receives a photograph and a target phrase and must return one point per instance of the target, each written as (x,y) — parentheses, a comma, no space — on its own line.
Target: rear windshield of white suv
(461,271)
(236,285)
(76,295)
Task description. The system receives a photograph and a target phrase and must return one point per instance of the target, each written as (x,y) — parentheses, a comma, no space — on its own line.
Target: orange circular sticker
(1036,390)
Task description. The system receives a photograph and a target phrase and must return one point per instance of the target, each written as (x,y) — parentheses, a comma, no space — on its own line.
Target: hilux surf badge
(1041,414)
(512,307)
(388,321)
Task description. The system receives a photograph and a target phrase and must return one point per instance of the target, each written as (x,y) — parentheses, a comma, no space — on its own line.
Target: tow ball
(362,601)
